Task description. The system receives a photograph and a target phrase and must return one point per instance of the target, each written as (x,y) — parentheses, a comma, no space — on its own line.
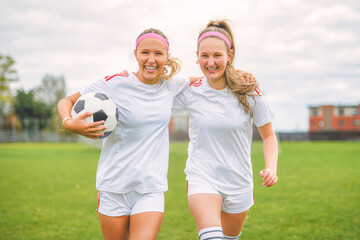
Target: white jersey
(220,135)
(135,156)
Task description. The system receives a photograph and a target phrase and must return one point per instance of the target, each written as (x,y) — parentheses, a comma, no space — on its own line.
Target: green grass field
(47,191)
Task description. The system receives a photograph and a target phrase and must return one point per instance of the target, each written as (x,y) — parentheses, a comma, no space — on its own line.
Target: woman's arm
(248,77)
(78,125)
(125,73)
(270,154)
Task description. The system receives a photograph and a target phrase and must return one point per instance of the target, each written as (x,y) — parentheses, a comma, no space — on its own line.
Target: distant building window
(315,112)
(341,123)
(321,124)
(341,111)
(356,122)
(356,111)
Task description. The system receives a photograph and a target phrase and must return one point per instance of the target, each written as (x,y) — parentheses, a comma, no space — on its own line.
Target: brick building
(334,122)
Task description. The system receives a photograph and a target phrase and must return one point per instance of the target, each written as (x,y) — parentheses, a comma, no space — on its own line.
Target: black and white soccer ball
(102,107)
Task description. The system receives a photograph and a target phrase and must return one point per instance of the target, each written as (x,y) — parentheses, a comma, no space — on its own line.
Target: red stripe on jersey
(187,188)
(257,91)
(107,78)
(196,84)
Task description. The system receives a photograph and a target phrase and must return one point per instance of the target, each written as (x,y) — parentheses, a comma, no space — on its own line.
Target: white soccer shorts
(115,205)
(232,203)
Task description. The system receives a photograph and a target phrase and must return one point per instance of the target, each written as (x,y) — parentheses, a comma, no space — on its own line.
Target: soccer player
(132,172)
(222,108)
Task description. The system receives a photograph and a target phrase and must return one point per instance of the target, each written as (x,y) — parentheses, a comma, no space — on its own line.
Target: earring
(197,61)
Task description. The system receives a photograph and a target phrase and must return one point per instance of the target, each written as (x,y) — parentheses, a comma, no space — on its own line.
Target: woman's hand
(194,79)
(124,73)
(269,177)
(248,77)
(80,126)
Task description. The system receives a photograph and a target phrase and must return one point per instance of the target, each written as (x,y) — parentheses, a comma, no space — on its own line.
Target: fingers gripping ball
(102,107)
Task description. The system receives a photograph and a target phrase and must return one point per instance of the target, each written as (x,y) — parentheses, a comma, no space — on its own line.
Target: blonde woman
(132,171)
(222,108)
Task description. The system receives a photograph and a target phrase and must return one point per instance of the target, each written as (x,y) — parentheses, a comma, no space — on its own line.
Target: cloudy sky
(302,52)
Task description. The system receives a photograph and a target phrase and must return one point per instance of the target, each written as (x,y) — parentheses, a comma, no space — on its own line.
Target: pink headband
(152,35)
(216,34)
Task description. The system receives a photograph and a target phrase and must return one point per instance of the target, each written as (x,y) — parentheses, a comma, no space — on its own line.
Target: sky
(302,52)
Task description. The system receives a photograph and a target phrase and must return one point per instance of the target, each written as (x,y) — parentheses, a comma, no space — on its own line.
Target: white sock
(232,238)
(211,233)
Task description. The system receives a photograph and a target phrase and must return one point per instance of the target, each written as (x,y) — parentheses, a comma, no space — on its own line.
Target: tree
(50,91)
(31,113)
(7,75)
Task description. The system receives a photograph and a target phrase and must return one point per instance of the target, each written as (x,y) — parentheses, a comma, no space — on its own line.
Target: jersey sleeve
(98,86)
(180,83)
(179,103)
(262,113)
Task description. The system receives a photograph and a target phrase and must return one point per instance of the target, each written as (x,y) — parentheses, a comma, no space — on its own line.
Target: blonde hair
(172,67)
(234,80)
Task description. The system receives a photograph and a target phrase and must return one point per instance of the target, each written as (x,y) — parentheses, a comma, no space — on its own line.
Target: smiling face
(213,57)
(151,55)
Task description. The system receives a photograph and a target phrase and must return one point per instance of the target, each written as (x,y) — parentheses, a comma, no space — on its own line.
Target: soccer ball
(102,107)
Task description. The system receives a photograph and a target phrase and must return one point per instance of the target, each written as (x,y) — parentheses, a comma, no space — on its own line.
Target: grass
(47,191)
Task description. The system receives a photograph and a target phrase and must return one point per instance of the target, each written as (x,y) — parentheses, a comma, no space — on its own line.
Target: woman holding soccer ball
(132,170)
(221,110)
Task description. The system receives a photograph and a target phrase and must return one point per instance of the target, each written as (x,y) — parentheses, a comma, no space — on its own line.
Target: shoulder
(179,80)
(115,79)
(194,87)
(178,84)
(255,92)
(255,97)
(196,84)
(109,77)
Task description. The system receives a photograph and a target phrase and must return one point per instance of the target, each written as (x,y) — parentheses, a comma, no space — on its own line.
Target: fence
(34,135)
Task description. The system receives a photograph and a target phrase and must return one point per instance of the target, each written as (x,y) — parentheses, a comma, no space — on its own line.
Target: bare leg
(206,209)
(114,228)
(145,225)
(232,224)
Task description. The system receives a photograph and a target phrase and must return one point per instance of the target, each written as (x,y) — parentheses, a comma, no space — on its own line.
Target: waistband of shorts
(193,177)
